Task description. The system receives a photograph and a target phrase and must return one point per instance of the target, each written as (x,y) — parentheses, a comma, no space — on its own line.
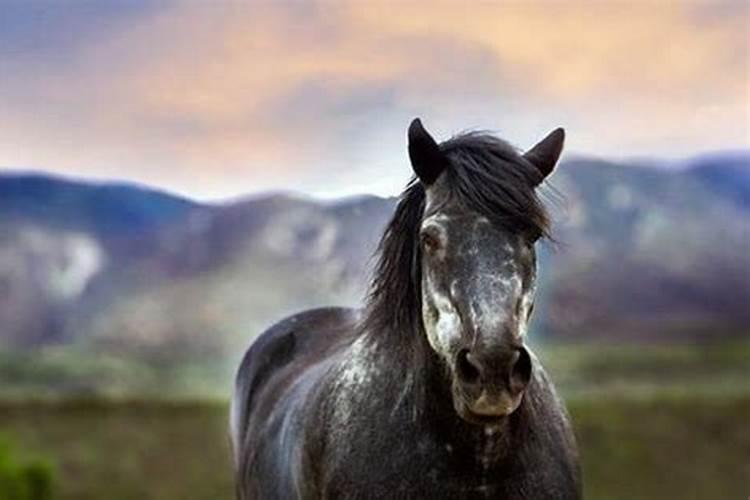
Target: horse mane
(488,176)
(394,299)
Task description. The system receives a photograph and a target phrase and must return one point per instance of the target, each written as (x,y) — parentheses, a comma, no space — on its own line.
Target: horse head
(477,263)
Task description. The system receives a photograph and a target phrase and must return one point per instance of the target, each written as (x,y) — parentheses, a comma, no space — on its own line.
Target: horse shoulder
(272,366)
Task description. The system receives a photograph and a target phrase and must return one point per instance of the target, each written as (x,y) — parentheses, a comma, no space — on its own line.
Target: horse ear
(426,158)
(545,154)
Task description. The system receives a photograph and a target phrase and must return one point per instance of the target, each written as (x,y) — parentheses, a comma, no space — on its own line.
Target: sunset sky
(217,100)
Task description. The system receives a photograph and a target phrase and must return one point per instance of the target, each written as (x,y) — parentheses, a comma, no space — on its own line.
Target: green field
(652,423)
(660,448)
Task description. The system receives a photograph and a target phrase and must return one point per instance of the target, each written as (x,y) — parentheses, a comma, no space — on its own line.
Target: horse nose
(506,369)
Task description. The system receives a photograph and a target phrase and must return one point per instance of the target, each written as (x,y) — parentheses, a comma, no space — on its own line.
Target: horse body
(330,421)
(427,392)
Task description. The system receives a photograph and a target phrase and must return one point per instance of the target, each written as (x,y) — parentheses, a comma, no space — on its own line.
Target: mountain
(649,254)
(138,269)
(726,173)
(102,209)
(639,254)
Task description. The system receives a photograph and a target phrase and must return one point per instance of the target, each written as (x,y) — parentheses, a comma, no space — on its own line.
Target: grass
(687,447)
(55,372)
(127,450)
(23,479)
(664,447)
(591,370)
(653,422)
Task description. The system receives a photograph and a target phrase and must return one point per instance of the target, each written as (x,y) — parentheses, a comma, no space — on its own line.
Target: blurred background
(176,176)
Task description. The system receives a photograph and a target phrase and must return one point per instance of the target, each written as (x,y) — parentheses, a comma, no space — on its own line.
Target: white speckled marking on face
(487,313)
(494,288)
(527,299)
(443,326)
(436,219)
(442,321)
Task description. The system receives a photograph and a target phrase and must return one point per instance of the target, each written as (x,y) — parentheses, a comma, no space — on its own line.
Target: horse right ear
(545,154)
(426,158)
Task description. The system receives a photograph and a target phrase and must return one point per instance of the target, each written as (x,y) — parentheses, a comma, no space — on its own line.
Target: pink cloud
(216,100)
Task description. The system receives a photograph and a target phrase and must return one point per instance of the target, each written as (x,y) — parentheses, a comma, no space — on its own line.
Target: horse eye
(429,242)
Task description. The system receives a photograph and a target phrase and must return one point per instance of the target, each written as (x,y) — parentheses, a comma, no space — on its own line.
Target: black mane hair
(394,299)
(489,177)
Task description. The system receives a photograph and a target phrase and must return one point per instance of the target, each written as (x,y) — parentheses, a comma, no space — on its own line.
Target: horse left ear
(545,154)
(426,158)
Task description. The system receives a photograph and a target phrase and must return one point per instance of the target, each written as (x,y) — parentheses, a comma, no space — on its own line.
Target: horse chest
(404,465)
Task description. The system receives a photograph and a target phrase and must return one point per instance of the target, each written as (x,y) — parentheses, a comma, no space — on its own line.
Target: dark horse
(428,392)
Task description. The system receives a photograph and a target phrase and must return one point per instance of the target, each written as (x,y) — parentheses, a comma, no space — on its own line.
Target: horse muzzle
(489,385)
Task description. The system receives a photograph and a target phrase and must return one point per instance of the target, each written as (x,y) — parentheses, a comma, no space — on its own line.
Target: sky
(216,100)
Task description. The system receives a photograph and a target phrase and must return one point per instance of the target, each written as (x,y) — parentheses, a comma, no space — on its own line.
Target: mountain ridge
(113,264)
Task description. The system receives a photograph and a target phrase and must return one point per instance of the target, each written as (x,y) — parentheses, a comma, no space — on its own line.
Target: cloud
(214,100)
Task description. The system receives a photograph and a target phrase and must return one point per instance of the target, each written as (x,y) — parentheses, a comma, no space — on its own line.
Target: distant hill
(649,254)
(726,173)
(641,254)
(102,209)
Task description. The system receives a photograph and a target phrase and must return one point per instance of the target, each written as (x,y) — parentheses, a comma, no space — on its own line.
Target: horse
(429,390)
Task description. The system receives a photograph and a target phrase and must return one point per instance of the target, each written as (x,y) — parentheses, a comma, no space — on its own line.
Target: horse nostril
(467,369)
(520,373)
